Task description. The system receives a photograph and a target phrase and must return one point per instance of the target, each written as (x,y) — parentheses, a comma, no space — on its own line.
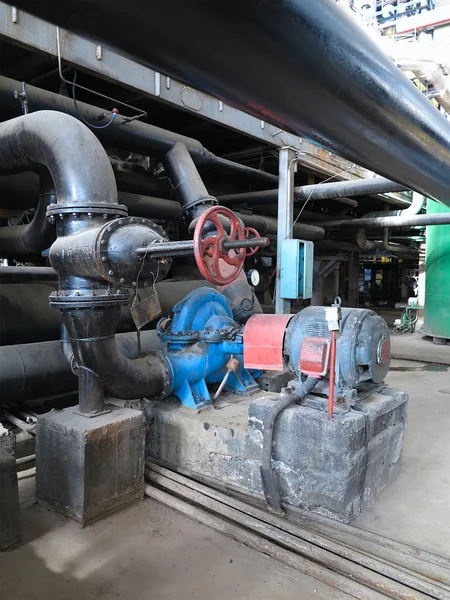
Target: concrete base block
(10,535)
(86,468)
(332,468)
(7,440)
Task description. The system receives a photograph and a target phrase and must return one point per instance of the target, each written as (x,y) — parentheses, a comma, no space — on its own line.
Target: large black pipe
(25,315)
(388,222)
(26,275)
(305,66)
(78,165)
(92,336)
(133,136)
(41,369)
(21,241)
(321,191)
(188,186)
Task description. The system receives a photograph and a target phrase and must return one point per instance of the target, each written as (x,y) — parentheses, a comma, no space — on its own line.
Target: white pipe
(429,72)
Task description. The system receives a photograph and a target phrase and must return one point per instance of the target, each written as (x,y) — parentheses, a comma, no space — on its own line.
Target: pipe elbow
(76,160)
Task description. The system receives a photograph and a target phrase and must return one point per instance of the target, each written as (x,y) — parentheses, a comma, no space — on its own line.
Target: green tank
(437,277)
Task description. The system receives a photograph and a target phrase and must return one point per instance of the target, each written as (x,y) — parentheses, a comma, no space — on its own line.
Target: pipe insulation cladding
(305,66)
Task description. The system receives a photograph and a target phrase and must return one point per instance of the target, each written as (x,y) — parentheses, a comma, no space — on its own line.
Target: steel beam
(21,28)
(285,218)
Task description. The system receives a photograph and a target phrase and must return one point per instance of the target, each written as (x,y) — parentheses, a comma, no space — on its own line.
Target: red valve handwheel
(256,236)
(212,246)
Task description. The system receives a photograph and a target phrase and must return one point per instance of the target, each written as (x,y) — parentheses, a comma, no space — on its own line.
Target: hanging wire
(308,199)
(80,116)
(136,296)
(73,84)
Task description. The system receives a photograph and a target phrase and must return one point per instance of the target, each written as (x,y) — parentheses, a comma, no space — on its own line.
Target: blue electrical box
(297,263)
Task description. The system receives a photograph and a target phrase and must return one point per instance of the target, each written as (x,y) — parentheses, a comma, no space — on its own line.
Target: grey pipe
(321,191)
(384,245)
(133,136)
(41,369)
(414,208)
(268,225)
(389,222)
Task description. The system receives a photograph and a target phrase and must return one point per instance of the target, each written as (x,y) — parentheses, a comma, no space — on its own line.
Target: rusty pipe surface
(305,66)
(320,191)
(388,222)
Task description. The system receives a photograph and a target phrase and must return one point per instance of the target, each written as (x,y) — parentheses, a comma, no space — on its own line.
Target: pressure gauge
(253,277)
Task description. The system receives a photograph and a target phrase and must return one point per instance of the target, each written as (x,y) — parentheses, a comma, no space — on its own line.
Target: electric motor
(363,346)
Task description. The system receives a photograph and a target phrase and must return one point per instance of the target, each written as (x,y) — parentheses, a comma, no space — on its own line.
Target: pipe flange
(64,300)
(167,382)
(117,275)
(96,208)
(185,210)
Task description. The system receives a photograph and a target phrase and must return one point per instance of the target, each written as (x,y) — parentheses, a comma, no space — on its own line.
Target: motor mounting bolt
(122,280)
(103,242)
(104,259)
(134,284)
(109,229)
(111,272)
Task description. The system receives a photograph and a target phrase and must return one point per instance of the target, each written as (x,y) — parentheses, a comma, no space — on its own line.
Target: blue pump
(201,338)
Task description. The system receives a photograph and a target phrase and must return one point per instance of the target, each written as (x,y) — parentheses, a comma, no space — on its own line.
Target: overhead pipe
(323,191)
(418,201)
(132,136)
(430,73)
(304,66)
(389,222)
(384,246)
(268,226)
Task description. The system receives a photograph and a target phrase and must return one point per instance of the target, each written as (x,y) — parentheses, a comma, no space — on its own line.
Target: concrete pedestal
(332,468)
(85,467)
(9,503)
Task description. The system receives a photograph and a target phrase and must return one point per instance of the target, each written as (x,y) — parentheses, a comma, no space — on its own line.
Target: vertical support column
(353,279)
(285,218)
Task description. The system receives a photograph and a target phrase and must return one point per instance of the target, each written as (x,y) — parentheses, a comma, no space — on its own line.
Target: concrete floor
(150,552)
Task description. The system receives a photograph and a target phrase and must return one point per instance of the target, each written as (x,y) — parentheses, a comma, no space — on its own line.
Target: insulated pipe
(41,369)
(27,274)
(20,241)
(305,66)
(320,191)
(389,222)
(413,209)
(268,225)
(26,317)
(133,136)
